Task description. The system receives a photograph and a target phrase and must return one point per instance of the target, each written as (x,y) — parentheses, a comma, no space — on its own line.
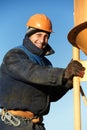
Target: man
(29,83)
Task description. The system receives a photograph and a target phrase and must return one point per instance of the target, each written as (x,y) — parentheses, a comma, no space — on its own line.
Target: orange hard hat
(40,21)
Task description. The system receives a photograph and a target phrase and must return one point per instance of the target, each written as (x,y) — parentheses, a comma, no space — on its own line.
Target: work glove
(74,68)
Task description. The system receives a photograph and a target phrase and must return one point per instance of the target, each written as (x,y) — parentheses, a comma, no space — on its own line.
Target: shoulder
(15,53)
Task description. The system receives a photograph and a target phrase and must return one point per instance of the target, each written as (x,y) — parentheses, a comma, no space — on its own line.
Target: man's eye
(47,37)
(39,35)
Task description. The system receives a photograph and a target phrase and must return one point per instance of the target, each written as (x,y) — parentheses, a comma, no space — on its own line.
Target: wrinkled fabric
(26,84)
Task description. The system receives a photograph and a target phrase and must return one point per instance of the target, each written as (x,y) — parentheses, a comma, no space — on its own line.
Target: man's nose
(42,39)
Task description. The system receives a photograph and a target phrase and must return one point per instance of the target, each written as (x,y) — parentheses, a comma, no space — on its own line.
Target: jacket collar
(31,47)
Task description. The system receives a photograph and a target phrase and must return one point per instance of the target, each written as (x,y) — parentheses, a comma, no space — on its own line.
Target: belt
(25,114)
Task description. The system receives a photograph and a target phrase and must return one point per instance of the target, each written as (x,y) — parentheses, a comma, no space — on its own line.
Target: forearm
(21,68)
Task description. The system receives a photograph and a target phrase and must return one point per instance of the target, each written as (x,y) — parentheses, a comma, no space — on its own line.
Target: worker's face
(39,39)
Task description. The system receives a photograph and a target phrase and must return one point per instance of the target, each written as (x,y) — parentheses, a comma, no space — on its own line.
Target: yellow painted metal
(81,40)
(80,16)
(80,11)
(78,36)
(76,93)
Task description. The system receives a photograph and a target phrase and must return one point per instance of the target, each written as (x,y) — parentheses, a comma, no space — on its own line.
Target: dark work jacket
(28,81)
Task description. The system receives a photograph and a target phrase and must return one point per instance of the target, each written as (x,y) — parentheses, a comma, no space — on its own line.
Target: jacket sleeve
(58,92)
(17,65)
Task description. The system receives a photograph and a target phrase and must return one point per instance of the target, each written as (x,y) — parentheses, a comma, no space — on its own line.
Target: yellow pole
(80,11)
(80,15)
(76,92)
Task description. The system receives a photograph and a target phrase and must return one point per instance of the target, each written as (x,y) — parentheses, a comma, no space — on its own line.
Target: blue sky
(14,15)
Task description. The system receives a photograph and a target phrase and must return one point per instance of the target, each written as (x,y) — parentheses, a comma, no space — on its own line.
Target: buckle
(10,119)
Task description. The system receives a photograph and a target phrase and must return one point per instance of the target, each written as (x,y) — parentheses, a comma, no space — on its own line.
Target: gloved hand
(74,68)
